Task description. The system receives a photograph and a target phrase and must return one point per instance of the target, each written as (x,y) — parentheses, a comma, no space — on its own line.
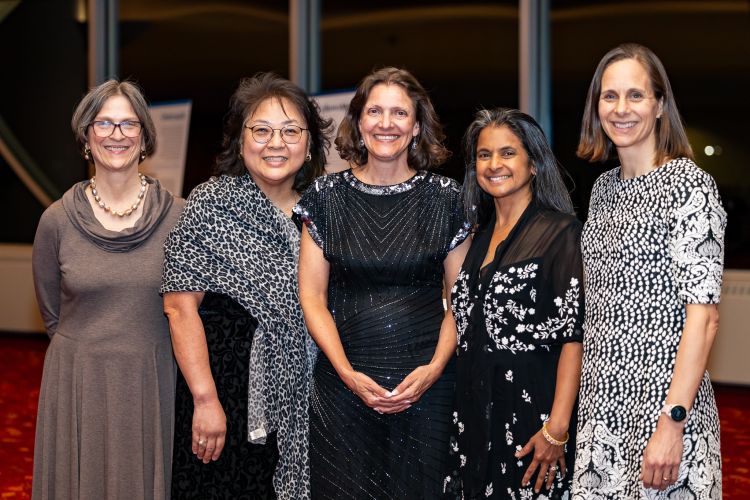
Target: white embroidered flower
(463,460)
(558,301)
(509,375)
(488,491)
(460,427)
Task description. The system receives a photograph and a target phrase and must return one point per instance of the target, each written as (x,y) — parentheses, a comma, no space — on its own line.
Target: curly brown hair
(430,151)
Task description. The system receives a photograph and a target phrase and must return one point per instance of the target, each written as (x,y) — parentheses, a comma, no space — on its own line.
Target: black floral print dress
(513,317)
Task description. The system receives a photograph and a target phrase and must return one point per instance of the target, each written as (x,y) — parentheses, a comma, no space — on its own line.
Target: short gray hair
(93,101)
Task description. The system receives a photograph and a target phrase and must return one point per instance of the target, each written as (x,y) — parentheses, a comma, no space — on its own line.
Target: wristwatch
(675,412)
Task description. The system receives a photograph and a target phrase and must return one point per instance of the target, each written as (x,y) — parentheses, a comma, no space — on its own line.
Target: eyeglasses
(290,134)
(105,128)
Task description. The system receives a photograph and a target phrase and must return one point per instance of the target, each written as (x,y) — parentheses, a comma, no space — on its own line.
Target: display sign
(172,121)
(334,106)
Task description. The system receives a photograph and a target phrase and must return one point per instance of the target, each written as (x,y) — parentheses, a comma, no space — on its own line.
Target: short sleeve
(46,268)
(698,222)
(184,252)
(311,209)
(560,301)
(459,226)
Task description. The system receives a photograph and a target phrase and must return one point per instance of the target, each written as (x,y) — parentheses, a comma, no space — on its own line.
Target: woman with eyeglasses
(230,293)
(382,239)
(653,249)
(104,427)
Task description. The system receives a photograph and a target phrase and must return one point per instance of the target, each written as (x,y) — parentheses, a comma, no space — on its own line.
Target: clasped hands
(401,397)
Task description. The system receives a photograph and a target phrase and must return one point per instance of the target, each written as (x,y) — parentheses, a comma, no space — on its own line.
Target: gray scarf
(232,240)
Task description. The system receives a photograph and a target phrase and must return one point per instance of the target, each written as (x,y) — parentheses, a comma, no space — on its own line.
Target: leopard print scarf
(232,240)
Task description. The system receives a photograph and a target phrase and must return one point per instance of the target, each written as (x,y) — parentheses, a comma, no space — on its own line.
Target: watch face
(678,413)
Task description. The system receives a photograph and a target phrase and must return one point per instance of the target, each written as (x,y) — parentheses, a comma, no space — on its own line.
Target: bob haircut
(547,185)
(430,151)
(93,102)
(671,139)
(250,93)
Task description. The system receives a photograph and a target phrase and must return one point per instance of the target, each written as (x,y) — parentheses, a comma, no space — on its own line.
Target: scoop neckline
(376,189)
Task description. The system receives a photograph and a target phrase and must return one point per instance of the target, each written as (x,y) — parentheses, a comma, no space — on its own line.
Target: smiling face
(628,108)
(275,162)
(388,123)
(115,152)
(503,169)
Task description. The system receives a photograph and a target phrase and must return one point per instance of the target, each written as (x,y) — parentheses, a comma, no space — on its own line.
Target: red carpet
(19,390)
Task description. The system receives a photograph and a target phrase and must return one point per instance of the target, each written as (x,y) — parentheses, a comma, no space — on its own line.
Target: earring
(414,143)
(308,156)
(143,154)
(86,152)
(361,143)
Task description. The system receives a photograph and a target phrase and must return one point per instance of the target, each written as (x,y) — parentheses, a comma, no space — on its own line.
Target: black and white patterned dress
(513,317)
(651,245)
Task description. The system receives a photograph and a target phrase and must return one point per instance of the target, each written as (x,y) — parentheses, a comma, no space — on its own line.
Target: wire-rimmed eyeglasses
(105,128)
(262,134)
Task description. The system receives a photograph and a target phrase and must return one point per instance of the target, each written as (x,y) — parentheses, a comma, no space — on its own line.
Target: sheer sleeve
(311,208)
(46,268)
(698,221)
(560,301)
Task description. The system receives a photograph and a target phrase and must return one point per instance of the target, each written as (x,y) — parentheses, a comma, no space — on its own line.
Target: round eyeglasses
(105,128)
(262,134)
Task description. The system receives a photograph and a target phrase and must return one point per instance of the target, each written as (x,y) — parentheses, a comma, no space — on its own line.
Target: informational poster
(172,120)
(334,106)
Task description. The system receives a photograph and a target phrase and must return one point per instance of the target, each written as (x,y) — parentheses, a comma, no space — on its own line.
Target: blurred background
(465,53)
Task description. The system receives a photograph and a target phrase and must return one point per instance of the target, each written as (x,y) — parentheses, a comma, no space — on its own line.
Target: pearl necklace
(107,208)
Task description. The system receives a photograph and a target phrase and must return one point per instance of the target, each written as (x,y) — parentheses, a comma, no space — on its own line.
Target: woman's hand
(367,389)
(546,458)
(209,430)
(662,456)
(412,388)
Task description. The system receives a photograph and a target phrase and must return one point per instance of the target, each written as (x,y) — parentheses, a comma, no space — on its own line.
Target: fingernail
(394,392)
(388,394)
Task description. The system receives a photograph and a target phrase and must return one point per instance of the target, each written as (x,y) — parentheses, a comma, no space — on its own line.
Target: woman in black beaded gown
(230,293)
(382,240)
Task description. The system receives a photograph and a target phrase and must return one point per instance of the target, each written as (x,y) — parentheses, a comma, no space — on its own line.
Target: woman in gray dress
(104,427)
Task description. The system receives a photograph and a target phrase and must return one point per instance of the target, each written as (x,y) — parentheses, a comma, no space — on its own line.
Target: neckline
(643,177)
(401,187)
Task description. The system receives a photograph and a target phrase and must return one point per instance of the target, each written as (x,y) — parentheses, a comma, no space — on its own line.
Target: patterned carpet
(19,390)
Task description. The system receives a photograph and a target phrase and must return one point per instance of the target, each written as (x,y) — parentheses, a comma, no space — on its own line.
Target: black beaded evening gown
(385,246)
(244,470)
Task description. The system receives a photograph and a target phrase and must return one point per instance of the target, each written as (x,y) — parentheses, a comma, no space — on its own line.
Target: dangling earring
(87,152)
(414,143)
(143,154)
(361,143)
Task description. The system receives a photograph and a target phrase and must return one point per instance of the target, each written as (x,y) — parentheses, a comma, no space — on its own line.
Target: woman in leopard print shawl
(231,268)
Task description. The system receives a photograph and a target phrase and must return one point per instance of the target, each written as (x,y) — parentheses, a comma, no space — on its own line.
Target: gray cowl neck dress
(106,404)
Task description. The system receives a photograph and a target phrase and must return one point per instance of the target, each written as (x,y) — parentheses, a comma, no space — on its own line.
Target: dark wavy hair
(250,93)
(671,139)
(547,185)
(93,102)
(430,151)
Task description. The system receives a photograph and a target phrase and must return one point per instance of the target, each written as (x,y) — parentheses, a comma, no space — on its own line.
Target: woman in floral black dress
(518,308)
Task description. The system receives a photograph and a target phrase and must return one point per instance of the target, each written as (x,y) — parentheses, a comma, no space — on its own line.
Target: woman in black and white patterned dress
(518,308)
(653,251)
